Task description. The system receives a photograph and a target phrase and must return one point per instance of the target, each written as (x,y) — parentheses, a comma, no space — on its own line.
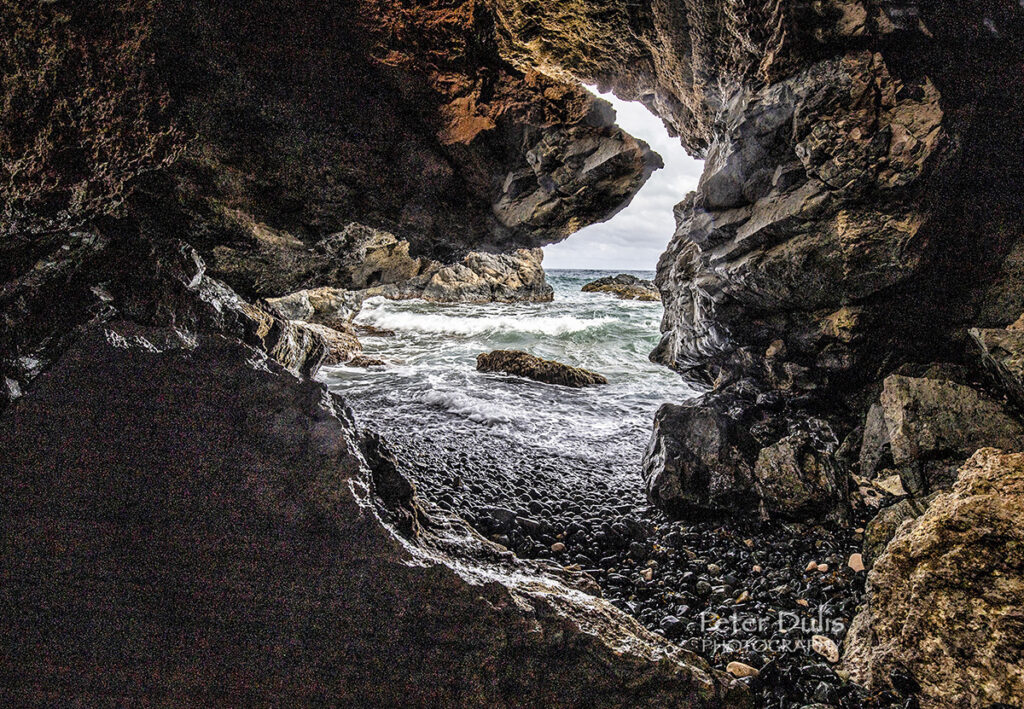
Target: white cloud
(635,237)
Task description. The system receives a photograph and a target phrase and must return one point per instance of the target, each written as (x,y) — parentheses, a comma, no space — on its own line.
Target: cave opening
(550,472)
(635,237)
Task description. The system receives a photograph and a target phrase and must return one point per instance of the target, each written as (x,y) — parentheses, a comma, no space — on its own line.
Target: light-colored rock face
(944,600)
(934,421)
(148,533)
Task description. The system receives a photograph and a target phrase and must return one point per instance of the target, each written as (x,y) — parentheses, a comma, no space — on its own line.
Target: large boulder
(934,424)
(798,477)
(700,461)
(186,520)
(625,286)
(523,364)
(944,600)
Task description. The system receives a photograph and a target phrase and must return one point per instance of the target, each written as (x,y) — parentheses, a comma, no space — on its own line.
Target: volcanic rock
(624,286)
(699,461)
(797,477)
(944,598)
(1002,351)
(527,365)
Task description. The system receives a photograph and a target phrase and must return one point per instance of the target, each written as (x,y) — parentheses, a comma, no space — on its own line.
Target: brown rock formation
(624,286)
(944,600)
(530,366)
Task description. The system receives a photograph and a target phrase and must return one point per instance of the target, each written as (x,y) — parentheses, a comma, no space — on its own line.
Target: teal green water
(432,382)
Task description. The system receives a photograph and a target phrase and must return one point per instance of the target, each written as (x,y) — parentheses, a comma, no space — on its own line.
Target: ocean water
(431,386)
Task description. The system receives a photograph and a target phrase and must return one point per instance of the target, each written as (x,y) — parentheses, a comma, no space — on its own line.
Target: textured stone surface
(341,342)
(523,364)
(700,461)
(875,451)
(408,120)
(944,600)
(188,521)
(882,527)
(478,278)
(1002,351)
(624,286)
(933,424)
(798,478)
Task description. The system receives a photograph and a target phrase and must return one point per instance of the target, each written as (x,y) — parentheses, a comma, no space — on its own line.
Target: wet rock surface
(527,365)
(746,579)
(625,286)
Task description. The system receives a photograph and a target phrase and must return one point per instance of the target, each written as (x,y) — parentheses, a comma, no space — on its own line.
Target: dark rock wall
(188,518)
(861,201)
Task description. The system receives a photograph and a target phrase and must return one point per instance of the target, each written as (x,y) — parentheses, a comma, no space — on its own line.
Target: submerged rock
(624,286)
(944,600)
(180,508)
(542,370)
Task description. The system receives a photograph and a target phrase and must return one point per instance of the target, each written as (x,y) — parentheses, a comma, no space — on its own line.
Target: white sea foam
(469,407)
(476,325)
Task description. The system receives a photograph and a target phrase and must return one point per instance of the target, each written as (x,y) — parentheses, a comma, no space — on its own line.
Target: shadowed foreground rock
(187,522)
(946,599)
(532,367)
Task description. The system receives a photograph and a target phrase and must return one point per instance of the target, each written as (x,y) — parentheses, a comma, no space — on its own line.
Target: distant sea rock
(542,370)
(625,286)
(479,278)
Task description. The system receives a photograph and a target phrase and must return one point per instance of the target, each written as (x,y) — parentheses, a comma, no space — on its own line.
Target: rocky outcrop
(699,461)
(371,262)
(192,519)
(332,307)
(624,286)
(530,366)
(479,278)
(342,344)
(236,116)
(944,600)
(934,424)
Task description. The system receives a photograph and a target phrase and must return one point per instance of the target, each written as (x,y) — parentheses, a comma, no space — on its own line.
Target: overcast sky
(636,236)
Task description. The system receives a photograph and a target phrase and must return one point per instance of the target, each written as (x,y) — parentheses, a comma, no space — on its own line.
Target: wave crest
(479,325)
